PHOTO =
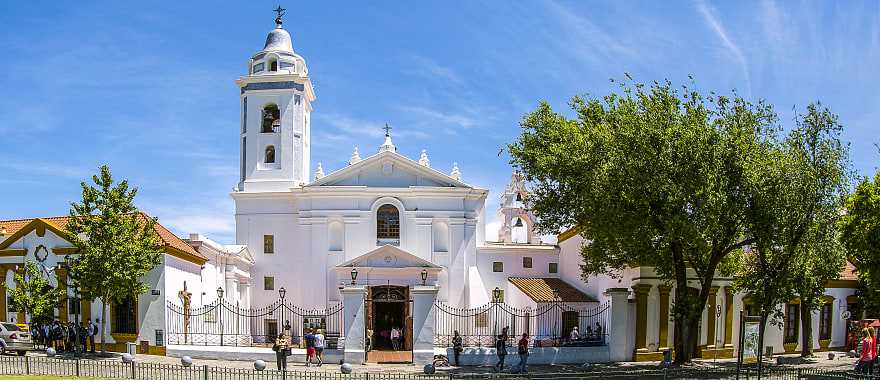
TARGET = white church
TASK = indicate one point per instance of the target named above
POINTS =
(385, 241)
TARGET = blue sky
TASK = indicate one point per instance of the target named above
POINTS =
(147, 87)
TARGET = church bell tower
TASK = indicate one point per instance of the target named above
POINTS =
(276, 105)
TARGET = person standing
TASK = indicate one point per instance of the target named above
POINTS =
(395, 338)
(281, 347)
(310, 346)
(501, 349)
(522, 348)
(319, 347)
(92, 331)
(873, 334)
(457, 346)
(575, 334)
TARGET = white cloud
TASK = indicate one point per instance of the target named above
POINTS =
(434, 70)
(43, 169)
(446, 118)
(712, 20)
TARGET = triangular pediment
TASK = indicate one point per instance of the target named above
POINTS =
(388, 169)
(388, 256)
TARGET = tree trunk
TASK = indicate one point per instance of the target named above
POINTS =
(103, 325)
(806, 328)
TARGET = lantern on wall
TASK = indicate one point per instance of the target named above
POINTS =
(354, 275)
(497, 296)
(424, 277)
(220, 293)
(282, 292)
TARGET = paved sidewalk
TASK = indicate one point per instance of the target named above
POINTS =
(820, 361)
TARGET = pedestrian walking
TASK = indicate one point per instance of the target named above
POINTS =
(282, 349)
(522, 348)
(457, 346)
(310, 346)
(866, 358)
(873, 334)
(319, 346)
(501, 349)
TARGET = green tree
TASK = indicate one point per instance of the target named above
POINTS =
(650, 177)
(117, 244)
(860, 233)
(794, 190)
(33, 294)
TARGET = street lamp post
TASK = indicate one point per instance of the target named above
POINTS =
(424, 277)
(354, 276)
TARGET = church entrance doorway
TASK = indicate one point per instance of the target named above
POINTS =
(389, 324)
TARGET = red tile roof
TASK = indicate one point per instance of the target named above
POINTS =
(168, 238)
(541, 289)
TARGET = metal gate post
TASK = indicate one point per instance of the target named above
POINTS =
(205, 371)
(77, 367)
(27, 366)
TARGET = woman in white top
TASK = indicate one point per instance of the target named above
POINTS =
(319, 346)
(575, 335)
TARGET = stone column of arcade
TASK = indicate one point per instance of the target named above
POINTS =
(353, 297)
(423, 323)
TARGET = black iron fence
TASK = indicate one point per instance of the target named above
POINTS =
(221, 323)
(106, 369)
(548, 324)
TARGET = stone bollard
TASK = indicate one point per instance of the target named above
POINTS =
(50, 352)
(186, 361)
(345, 368)
(127, 358)
(259, 365)
(429, 369)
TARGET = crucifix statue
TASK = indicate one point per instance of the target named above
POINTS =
(387, 130)
(280, 12)
(185, 298)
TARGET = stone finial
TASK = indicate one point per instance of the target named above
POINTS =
(355, 157)
(319, 172)
(456, 174)
(423, 159)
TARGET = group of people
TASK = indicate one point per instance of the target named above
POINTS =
(522, 349)
(590, 334)
(65, 336)
(314, 341)
(868, 358)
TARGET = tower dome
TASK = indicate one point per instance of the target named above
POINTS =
(278, 40)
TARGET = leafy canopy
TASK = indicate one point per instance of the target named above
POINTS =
(860, 233)
(117, 244)
(651, 177)
(34, 294)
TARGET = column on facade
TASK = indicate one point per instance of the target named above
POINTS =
(4, 269)
(712, 317)
(20, 316)
(641, 293)
(728, 316)
(423, 323)
(424, 238)
(355, 323)
(231, 286)
(61, 276)
(663, 315)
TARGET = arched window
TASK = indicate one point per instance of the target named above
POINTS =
(387, 225)
(519, 233)
(271, 119)
(273, 65)
(270, 155)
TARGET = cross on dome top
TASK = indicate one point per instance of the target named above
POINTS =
(280, 12)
